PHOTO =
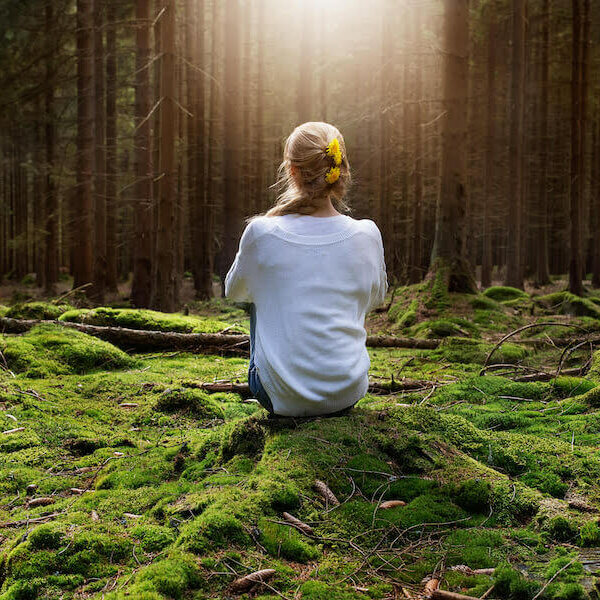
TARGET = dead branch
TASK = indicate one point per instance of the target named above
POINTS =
(24, 522)
(443, 595)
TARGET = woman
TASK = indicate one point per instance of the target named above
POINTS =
(311, 275)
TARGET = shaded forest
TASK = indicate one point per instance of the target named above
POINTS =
(136, 137)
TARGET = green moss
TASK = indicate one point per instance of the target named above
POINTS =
(286, 542)
(194, 402)
(589, 535)
(445, 328)
(504, 293)
(483, 302)
(317, 590)
(37, 310)
(568, 304)
(153, 538)
(468, 351)
(560, 528)
(511, 585)
(49, 536)
(474, 495)
(48, 350)
(246, 437)
(404, 317)
(214, 528)
(439, 298)
(147, 320)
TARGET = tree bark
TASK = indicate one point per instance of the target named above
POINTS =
(596, 205)
(576, 263)
(112, 197)
(449, 249)
(98, 289)
(514, 273)
(542, 269)
(141, 289)
(165, 256)
(83, 213)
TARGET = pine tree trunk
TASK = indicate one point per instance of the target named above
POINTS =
(542, 270)
(487, 259)
(98, 288)
(112, 198)
(448, 256)
(231, 154)
(165, 258)
(83, 213)
(576, 264)
(416, 273)
(141, 289)
(51, 212)
(595, 199)
(514, 274)
(304, 96)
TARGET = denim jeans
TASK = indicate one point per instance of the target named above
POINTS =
(256, 387)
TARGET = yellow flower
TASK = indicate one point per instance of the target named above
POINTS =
(332, 175)
(333, 150)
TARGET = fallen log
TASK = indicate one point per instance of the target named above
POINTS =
(243, 389)
(207, 343)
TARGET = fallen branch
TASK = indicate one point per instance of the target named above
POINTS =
(233, 344)
(24, 522)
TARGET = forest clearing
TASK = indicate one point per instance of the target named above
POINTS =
(122, 477)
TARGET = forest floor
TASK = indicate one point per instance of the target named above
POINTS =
(120, 478)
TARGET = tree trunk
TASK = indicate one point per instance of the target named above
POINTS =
(576, 264)
(231, 154)
(141, 289)
(595, 199)
(304, 96)
(449, 250)
(514, 273)
(98, 288)
(82, 216)
(486, 259)
(112, 197)
(416, 273)
(165, 256)
(542, 270)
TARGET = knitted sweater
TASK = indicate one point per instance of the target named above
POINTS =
(312, 280)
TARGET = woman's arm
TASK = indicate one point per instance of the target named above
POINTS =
(237, 286)
(380, 286)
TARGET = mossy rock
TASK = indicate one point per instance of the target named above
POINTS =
(37, 310)
(566, 303)
(147, 320)
(449, 327)
(503, 293)
(47, 350)
(188, 401)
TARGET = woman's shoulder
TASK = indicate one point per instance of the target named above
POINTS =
(369, 227)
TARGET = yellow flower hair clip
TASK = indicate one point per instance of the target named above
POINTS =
(334, 150)
(332, 175)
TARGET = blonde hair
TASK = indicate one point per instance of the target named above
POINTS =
(306, 150)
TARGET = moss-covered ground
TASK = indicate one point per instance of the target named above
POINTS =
(119, 478)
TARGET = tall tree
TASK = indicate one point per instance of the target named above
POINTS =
(111, 146)
(231, 152)
(141, 289)
(305, 92)
(448, 258)
(83, 207)
(98, 288)
(542, 273)
(164, 265)
(514, 273)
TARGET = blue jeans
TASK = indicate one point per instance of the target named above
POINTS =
(256, 387)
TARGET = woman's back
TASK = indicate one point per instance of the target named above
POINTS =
(312, 280)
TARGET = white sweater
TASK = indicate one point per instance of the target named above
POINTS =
(313, 280)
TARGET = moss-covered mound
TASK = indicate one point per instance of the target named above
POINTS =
(504, 293)
(37, 310)
(48, 350)
(565, 303)
(148, 320)
(469, 351)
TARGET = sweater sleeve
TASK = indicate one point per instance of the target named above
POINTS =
(237, 286)
(380, 286)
